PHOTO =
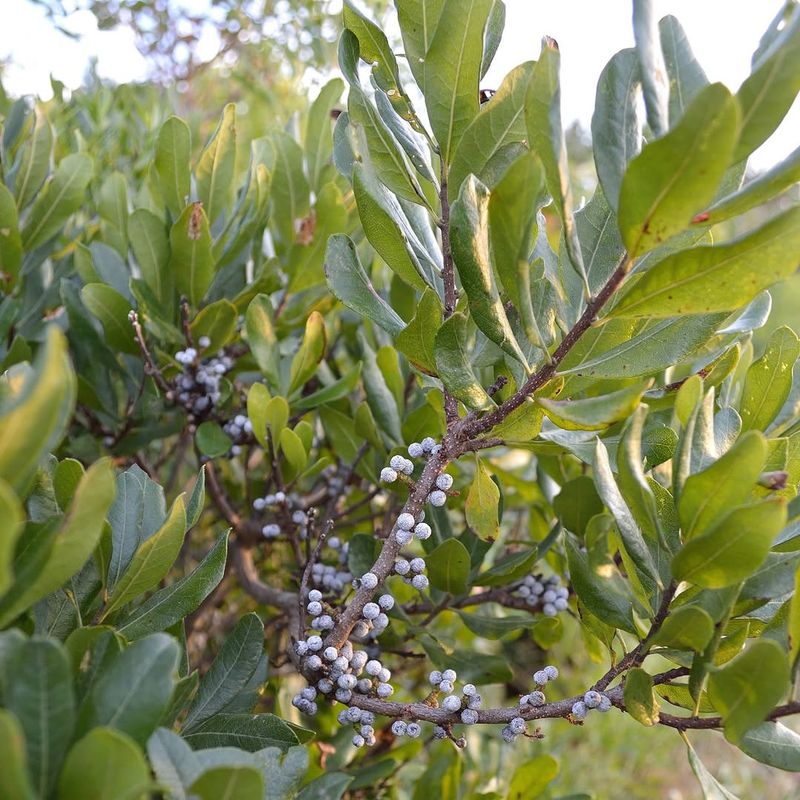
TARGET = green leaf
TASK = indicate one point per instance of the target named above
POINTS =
(448, 567)
(290, 191)
(42, 698)
(261, 337)
(653, 68)
(373, 46)
(173, 150)
(35, 160)
(211, 440)
(577, 503)
(677, 175)
(222, 783)
(532, 778)
(632, 538)
(10, 241)
(686, 76)
(246, 731)
(418, 23)
(769, 381)
(616, 129)
(734, 548)
(152, 559)
(755, 192)
(330, 786)
(508, 569)
(334, 391)
(496, 627)
(351, 285)
(793, 623)
(318, 139)
(112, 309)
(61, 196)
(382, 220)
(686, 628)
(176, 601)
(217, 321)
(769, 92)
(500, 121)
(150, 245)
(104, 765)
(232, 668)
(14, 781)
(598, 592)
(381, 400)
(641, 702)
(469, 235)
(712, 789)
(112, 207)
(546, 136)
(417, 340)
(134, 688)
(11, 525)
(311, 352)
(594, 413)
(453, 364)
(138, 512)
(214, 173)
(658, 344)
(452, 70)
(174, 763)
(718, 278)
(192, 259)
(749, 686)
(482, 506)
(774, 744)
(708, 495)
(75, 539)
(35, 413)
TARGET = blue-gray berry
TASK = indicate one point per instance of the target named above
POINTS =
(518, 725)
(413, 730)
(579, 710)
(399, 727)
(469, 716)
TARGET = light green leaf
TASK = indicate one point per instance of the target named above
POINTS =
(349, 282)
(577, 503)
(232, 668)
(103, 765)
(712, 789)
(653, 68)
(718, 278)
(469, 235)
(533, 777)
(261, 337)
(41, 696)
(35, 160)
(180, 598)
(734, 548)
(217, 321)
(311, 352)
(132, 692)
(417, 340)
(373, 46)
(112, 309)
(658, 344)
(214, 172)
(334, 391)
(500, 121)
(769, 380)
(641, 702)
(192, 260)
(10, 240)
(418, 22)
(383, 223)
(448, 567)
(793, 623)
(173, 150)
(75, 539)
(769, 92)
(594, 413)
(453, 364)
(616, 128)
(14, 780)
(211, 440)
(708, 495)
(382, 402)
(686, 628)
(11, 525)
(452, 70)
(774, 744)
(318, 140)
(290, 190)
(258, 398)
(152, 560)
(150, 245)
(61, 196)
(686, 76)
(677, 175)
(546, 136)
(482, 506)
(749, 686)
(227, 783)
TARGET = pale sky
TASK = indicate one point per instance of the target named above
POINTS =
(723, 34)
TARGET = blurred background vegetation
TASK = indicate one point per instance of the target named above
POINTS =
(270, 58)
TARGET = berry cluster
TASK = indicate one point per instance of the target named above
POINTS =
(333, 578)
(283, 504)
(198, 385)
(591, 700)
(518, 726)
(469, 702)
(364, 720)
(545, 592)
